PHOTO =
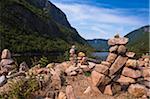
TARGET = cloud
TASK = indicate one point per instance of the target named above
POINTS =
(99, 22)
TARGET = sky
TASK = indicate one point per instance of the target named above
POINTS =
(102, 19)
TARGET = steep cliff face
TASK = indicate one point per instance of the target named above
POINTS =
(36, 25)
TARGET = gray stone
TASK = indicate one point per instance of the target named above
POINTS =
(6, 54)
(3, 80)
(23, 67)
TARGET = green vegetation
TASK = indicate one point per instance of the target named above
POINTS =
(43, 61)
(26, 28)
(139, 41)
(87, 74)
(21, 89)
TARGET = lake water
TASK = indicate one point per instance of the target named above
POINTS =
(100, 55)
(53, 57)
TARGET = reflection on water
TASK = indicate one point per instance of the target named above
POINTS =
(100, 55)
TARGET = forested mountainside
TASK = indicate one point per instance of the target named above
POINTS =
(36, 26)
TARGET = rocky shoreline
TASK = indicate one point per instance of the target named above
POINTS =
(77, 78)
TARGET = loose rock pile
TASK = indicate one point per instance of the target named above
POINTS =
(121, 72)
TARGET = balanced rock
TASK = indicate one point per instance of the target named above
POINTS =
(118, 41)
(91, 65)
(111, 57)
(125, 80)
(131, 63)
(113, 48)
(137, 90)
(6, 54)
(121, 49)
(106, 63)
(131, 73)
(130, 54)
(101, 69)
(118, 64)
(96, 78)
(106, 80)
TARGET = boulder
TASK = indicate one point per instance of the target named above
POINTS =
(113, 48)
(118, 64)
(71, 69)
(106, 80)
(106, 63)
(145, 83)
(118, 41)
(131, 63)
(101, 69)
(125, 80)
(108, 90)
(137, 90)
(91, 65)
(121, 49)
(6, 62)
(69, 92)
(96, 78)
(147, 78)
(146, 72)
(6, 54)
(23, 67)
(112, 89)
(131, 73)
(111, 57)
(3, 80)
(140, 63)
(130, 54)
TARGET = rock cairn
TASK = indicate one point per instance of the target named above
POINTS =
(121, 71)
(73, 56)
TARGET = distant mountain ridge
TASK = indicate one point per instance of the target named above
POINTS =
(138, 41)
(99, 44)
